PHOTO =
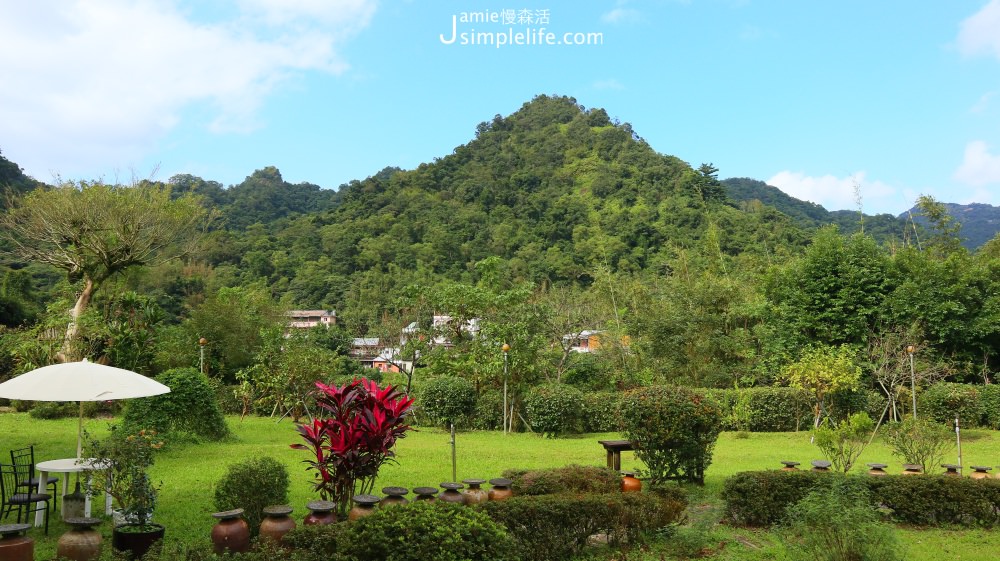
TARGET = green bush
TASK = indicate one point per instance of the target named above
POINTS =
(843, 442)
(767, 409)
(839, 523)
(489, 410)
(673, 430)
(448, 399)
(54, 410)
(252, 485)
(554, 409)
(190, 407)
(417, 531)
(568, 479)
(761, 498)
(989, 398)
(602, 412)
(849, 402)
(919, 441)
(557, 527)
(944, 401)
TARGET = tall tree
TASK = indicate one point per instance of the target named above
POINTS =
(94, 231)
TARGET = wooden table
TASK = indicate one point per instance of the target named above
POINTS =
(67, 466)
(614, 449)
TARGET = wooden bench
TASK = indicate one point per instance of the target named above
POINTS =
(614, 449)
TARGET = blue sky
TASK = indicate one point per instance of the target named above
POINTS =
(900, 98)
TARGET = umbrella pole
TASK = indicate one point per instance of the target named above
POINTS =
(79, 434)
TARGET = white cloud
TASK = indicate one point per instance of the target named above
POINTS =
(978, 167)
(103, 80)
(836, 193)
(621, 14)
(610, 84)
(980, 32)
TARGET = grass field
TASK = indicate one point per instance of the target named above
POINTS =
(189, 472)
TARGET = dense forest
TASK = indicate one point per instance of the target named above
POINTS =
(550, 221)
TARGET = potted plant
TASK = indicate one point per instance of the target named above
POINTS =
(122, 461)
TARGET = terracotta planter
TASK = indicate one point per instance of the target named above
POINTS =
(13, 545)
(951, 470)
(277, 522)
(394, 496)
(82, 542)
(821, 465)
(136, 539)
(912, 469)
(231, 532)
(630, 483)
(501, 490)
(320, 513)
(452, 493)
(475, 494)
(364, 505)
(790, 465)
(980, 472)
(425, 493)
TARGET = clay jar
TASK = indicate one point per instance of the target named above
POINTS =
(821, 465)
(475, 494)
(231, 532)
(394, 496)
(452, 493)
(277, 522)
(790, 465)
(877, 469)
(630, 483)
(364, 505)
(14, 546)
(980, 472)
(952, 470)
(912, 469)
(320, 513)
(501, 490)
(425, 493)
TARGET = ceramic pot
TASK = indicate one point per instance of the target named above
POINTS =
(980, 472)
(877, 470)
(320, 513)
(425, 493)
(82, 542)
(364, 505)
(912, 469)
(14, 546)
(231, 532)
(452, 493)
(790, 465)
(630, 483)
(951, 470)
(475, 494)
(501, 490)
(277, 522)
(394, 496)
(821, 465)
(136, 539)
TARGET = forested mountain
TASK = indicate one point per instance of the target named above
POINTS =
(980, 222)
(883, 227)
(13, 179)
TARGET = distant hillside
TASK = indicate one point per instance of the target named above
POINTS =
(882, 227)
(980, 222)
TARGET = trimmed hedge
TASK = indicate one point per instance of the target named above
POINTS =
(769, 409)
(190, 407)
(989, 396)
(557, 527)
(944, 400)
(761, 498)
(568, 479)
(448, 399)
(602, 411)
(554, 409)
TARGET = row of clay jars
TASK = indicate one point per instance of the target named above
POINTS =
(232, 533)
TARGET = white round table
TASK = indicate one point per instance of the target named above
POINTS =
(66, 465)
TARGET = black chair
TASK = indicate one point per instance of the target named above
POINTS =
(28, 502)
(26, 457)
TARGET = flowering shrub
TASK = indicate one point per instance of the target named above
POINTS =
(353, 438)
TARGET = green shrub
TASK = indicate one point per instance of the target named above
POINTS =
(567, 479)
(839, 523)
(54, 410)
(554, 409)
(989, 399)
(252, 485)
(760, 498)
(919, 441)
(602, 412)
(489, 410)
(448, 399)
(190, 407)
(944, 401)
(767, 409)
(673, 430)
(417, 531)
(844, 441)
(848, 402)
(557, 527)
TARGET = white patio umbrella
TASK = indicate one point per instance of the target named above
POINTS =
(80, 381)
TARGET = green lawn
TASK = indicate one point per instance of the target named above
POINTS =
(189, 473)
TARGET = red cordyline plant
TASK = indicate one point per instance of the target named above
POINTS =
(353, 437)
